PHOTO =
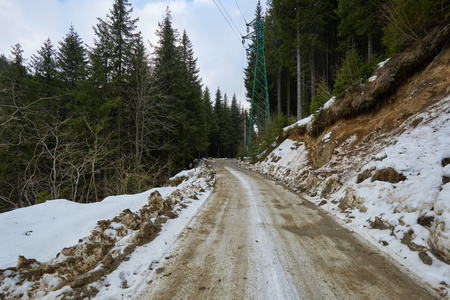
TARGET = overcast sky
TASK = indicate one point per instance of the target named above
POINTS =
(221, 56)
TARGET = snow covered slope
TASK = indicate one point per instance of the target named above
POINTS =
(379, 160)
(66, 249)
(393, 186)
(41, 231)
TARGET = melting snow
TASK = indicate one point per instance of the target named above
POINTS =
(417, 153)
(381, 64)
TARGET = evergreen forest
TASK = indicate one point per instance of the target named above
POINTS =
(316, 49)
(84, 122)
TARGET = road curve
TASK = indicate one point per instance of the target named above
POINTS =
(255, 239)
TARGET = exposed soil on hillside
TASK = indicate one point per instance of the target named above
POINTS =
(416, 94)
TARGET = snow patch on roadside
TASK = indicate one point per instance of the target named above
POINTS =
(185, 173)
(134, 271)
(105, 258)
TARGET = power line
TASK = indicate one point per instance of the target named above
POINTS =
(240, 11)
(239, 37)
(229, 17)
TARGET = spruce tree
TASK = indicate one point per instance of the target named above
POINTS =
(45, 70)
(207, 106)
(226, 128)
(236, 127)
(216, 125)
(111, 60)
(168, 76)
(113, 45)
(18, 68)
(167, 56)
(195, 127)
(72, 59)
(176, 74)
(251, 58)
(43, 63)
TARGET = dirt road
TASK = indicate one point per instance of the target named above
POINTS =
(255, 239)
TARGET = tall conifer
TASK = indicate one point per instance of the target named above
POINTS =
(72, 59)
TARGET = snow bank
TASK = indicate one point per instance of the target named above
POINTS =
(410, 219)
(299, 123)
(285, 162)
(81, 233)
(41, 231)
(185, 173)
(134, 271)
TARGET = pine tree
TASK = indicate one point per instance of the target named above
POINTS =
(236, 127)
(45, 70)
(116, 36)
(251, 59)
(207, 106)
(72, 59)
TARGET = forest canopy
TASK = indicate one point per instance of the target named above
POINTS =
(83, 122)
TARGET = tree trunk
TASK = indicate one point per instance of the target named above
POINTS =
(245, 131)
(313, 75)
(327, 68)
(279, 91)
(288, 94)
(299, 81)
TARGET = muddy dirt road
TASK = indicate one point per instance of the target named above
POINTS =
(254, 239)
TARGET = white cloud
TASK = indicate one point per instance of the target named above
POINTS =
(218, 49)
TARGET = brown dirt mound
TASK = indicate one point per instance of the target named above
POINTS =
(364, 175)
(446, 161)
(388, 175)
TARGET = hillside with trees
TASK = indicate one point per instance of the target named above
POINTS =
(83, 122)
(319, 49)
(310, 44)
